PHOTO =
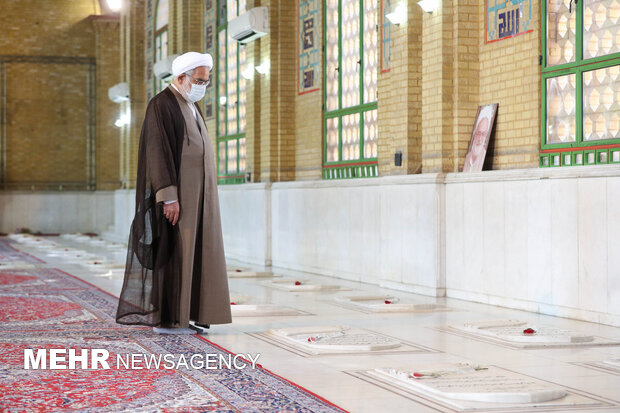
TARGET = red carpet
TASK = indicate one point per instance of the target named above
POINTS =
(49, 309)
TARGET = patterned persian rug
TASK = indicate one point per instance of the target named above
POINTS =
(45, 308)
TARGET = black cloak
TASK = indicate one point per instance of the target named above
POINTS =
(151, 288)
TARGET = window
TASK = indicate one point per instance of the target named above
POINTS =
(231, 97)
(581, 82)
(161, 39)
(350, 92)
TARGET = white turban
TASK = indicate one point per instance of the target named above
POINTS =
(189, 61)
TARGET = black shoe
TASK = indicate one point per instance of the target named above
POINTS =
(200, 328)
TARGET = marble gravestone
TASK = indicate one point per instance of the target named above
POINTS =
(33, 241)
(610, 365)
(513, 330)
(70, 253)
(521, 334)
(239, 298)
(472, 384)
(241, 306)
(385, 304)
(335, 339)
(249, 274)
(301, 285)
(236, 269)
(81, 238)
(111, 273)
(19, 265)
(101, 262)
(262, 310)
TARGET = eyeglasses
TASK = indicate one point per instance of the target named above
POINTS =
(199, 82)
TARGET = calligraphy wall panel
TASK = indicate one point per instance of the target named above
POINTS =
(309, 46)
(210, 29)
(507, 18)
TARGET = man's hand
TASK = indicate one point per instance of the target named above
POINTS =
(171, 211)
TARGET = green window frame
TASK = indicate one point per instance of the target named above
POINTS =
(160, 40)
(573, 130)
(350, 70)
(231, 115)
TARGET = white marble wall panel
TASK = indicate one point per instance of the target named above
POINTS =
(538, 227)
(382, 230)
(493, 246)
(543, 240)
(455, 246)
(56, 211)
(515, 241)
(124, 210)
(593, 244)
(473, 233)
(613, 246)
(245, 211)
(556, 231)
(564, 242)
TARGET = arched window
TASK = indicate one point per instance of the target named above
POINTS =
(161, 38)
(231, 97)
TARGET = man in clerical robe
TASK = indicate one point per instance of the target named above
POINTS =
(175, 277)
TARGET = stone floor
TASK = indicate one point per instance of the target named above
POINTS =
(364, 356)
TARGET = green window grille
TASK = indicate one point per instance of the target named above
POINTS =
(350, 33)
(580, 83)
(161, 39)
(231, 97)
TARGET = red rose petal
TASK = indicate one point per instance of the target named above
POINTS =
(238, 270)
(232, 303)
(418, 375)
(529, 331)
(297, 283)
(387, 302)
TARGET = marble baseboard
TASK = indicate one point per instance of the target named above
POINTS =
(536, 307)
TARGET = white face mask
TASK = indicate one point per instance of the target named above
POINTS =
(196, 92)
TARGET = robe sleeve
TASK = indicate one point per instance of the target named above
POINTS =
(157, 134)
(168, 193)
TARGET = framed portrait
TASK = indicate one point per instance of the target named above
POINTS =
(479, 142)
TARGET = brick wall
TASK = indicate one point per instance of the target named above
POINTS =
(510, 76)
(440, 71)
(132, 51)
(108, 74)
(400, 98)
(47, 60)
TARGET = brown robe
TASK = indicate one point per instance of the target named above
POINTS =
(175, 274)
(204, 281)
